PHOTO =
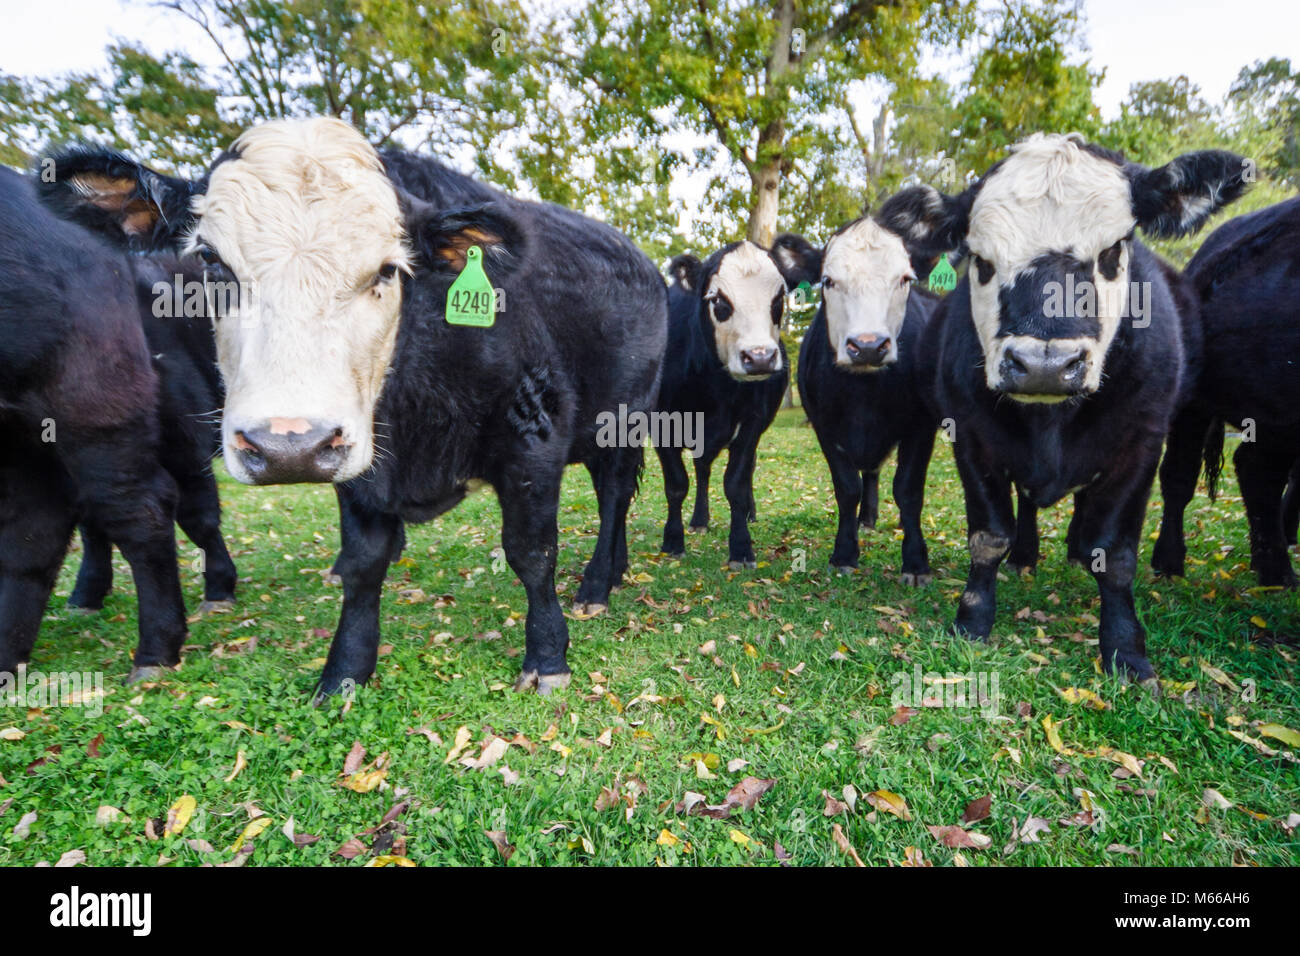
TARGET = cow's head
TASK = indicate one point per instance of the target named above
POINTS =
(866, 276)
(742, 289)
(1050, 232)
(303, 217)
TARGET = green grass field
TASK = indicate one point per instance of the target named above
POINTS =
(694, 670)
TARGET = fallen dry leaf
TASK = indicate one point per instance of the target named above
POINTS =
(842, 841)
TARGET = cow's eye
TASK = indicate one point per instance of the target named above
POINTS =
(208, 255)
(1108, 261)
(721, 309)
(778, 308)
(907, 280)
(828, 283)
(388, 270)
(983, 270)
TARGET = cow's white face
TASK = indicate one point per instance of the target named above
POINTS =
(866, 277)
(1050, 237)
(744, 302)
(306, 220)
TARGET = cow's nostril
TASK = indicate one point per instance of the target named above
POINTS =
(278, 455)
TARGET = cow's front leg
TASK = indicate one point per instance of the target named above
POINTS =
(1178, 473)
(35, 524)
(1262, 472)
(1291, 507)
(700, 514)
(95, 576)
(737, 482)
(199, 515)
(676, 485)
(847, 481)
(368, 539)
(909, 493)
(1023, 558)
(1109, 517)
(530, 502)
(990, 521)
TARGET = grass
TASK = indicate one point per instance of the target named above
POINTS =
(796, 678)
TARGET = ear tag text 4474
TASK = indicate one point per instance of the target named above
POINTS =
(943, 277)
(471, 300)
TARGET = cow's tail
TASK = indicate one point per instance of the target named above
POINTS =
(1212, 454)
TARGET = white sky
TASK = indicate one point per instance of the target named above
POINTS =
(1208, 40)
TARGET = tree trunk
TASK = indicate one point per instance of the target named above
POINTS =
(767, 200)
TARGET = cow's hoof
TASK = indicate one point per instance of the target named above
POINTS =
(590, 609)
(330, 578)
(844, 568)
(916, 580)
(544, 684)
(698, 528)
(1021, 569)
(866, 526)
(84, 609)
(223, 606)
(674, 555)
(149, 672)
(747, 565)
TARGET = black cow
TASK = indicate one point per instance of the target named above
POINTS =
(1247, 275)
(1020, 360)
(725, 374)
(79, 430)
(179, 333)
(347, 369)
(860, 386)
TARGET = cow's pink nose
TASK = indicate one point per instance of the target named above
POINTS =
(288, 450)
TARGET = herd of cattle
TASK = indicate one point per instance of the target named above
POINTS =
(1067, 357)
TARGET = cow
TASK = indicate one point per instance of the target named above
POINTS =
(860, 387)
(1052, 380)
(178, 330)
(347, 370)
(725, 367)
(1247, 277)
(79, 429)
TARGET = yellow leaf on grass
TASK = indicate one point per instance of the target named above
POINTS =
(363, 781)
(1081, 695)
(667, 839)
(1054, 735)
(12, 733)
(1258, 621)
(1218, 676)
(179, 815)
(741, 838)
(1127, 761)
(1279, 732)
(460, 743)
(251, 832)
(240, 763)
(889, 802)
(391, 861)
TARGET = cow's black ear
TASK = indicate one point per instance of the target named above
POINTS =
(441, 238)
(798, 259)
(1178, 197)
(685, 271)
(928, 221)
(115, 196)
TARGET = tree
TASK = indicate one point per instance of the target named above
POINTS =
(1270, 92)
(754, 79)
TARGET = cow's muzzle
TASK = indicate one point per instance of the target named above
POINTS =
(867, 351)
(760, 361)
(284, 451)
(1045, 372)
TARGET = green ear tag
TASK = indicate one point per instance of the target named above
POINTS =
(471, 299)
(943, 277)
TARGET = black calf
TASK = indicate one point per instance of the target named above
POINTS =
(79, 434)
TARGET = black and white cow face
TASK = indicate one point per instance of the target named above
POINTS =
(1050, 233)
(866, 278)
(302, 215)
(743, 301)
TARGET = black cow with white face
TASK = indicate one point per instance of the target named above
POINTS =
(1053, 381)
(343, 366)
(1247, 277)
(725, 366)
(861, 385)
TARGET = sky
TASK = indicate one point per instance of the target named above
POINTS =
(1133, 39)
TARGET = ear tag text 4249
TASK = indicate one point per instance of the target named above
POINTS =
(471, 299)
(943, 277)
